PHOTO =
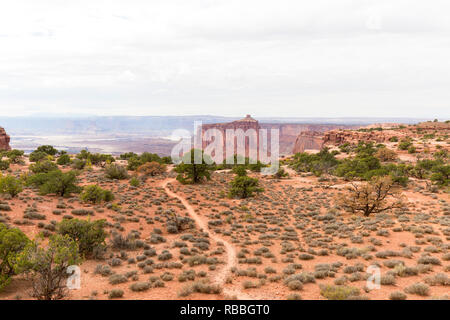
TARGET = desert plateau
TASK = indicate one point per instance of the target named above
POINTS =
(141, 227)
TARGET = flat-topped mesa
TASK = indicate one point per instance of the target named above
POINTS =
(248, 118)
(245, 124)
(4, 140)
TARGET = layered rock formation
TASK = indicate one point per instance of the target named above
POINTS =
(4, 140)
(441, 126)
(308, 140)
(245, 124)
(317, 140)
(290, 134)
(338, 137)
(344, 136)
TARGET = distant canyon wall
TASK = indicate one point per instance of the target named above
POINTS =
(292, 136)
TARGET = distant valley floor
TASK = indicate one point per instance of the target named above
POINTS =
(116, 144)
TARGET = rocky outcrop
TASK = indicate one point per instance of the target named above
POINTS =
(338, 137)
(4, 140)
(313, 140)
(308, 140)
(375, 133)
(289, 133)
(429, 125)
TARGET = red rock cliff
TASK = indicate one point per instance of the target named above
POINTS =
(4, 140)
(338, 137)
(314, 140)
(308, 140)
(292, 133)
(245, 124)
(292, 136)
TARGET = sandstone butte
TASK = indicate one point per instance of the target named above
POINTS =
(4, 140)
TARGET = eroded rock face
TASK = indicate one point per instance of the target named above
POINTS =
(316, 140)
(290, 134)
(244, 124)
(4, 140)
(338, 137)
(308, 140)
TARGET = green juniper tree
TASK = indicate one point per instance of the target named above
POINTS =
(12, 243)
(194, 167)
(57, 182)
(243, 187)
(48, 266)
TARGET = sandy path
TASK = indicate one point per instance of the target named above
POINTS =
(231, 262)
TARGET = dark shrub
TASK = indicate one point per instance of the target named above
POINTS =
(87, 234)
(63, 160)
(95, 194)
(10, 185)
(62, 184)
(36, 156)
(115, 171)
(43, 167)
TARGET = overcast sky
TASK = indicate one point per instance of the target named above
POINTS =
(321, 58)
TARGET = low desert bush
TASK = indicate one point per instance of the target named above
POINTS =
(429, 260)
(120, 242)
(43, 167)
(418, 288)
(387, 279)
(294, 296)
(295, 285)
(95, 194)
(397, 295)
(4, 164)
(116, 172)
(201, 286)
(338, 292)
(152, 168)
(115, 293)
(117, 278)
(10, 185)
(103, 270)
(140, 286)
(439, 279)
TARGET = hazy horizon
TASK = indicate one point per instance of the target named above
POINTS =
(273, 118)
(217, 115)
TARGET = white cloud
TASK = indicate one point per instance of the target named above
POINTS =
(228, 57)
